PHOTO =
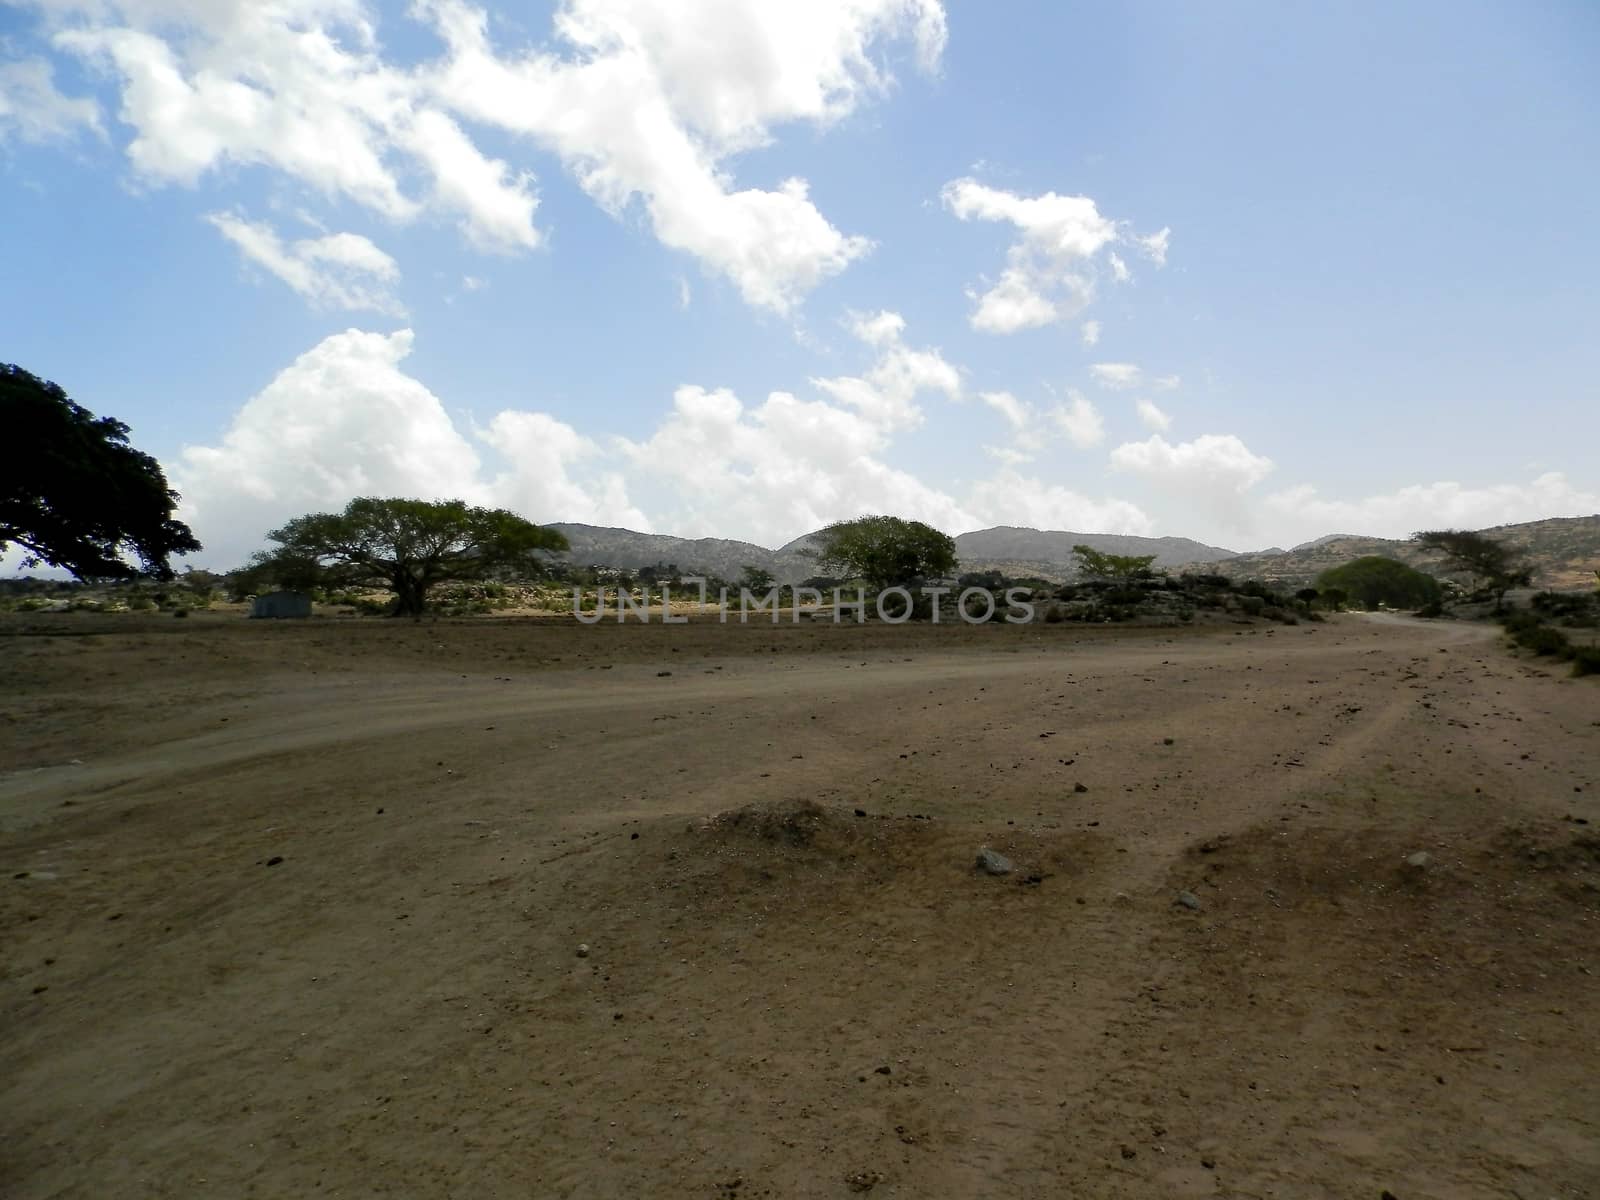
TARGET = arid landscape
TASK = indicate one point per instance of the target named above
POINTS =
(524, 908)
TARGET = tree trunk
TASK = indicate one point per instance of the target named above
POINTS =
(409, 597)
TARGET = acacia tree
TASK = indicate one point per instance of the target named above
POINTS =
(1375, 580)
(885, 551)
(1122, 568)
(75, 494)
(1480, 556)
(407, 546)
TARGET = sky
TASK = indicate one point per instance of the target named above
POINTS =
(1249, 273)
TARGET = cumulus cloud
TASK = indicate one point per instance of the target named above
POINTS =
(652, 101)
(337, 271)
(1050, 269)
(1079, 420)
(1090, 332)
(1302, 512)
(1212, 473)
(1116, 375)
(640, 101)
(345, 420)
(1011, 498)
(1151, 416)
(885, 395)
(1015, 412)
(33, 110)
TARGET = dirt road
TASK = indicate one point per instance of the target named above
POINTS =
(296, 910)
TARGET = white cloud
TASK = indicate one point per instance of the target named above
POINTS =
(1079, 420)
(653, 100)
(1008, 406)
(640, 101)
(1119, 269)
(1154, 246)
(1091, 333)
(1014, 499)
(886, 394)
(1120, 376)
(339, 271)
(1211, 473)
(1165, 383)
(33, 110)
(345, 420)
(1151, 416)
(1300, 513)
(1050, 272)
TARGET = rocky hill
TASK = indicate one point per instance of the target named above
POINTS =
(1563, 551)
(1006, 548)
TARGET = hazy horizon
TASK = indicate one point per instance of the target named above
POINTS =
(1245, 275)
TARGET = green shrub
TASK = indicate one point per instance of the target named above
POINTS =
(1542, 639)
(1586, 660)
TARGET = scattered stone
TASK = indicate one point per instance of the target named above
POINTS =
(662, 674)
(1129, 1152)
(1080, 787)
(992, 862)
(1419, 860)
(861, 812)
(274, 860)
(1209, 1164)
(864, 1181)
(1188, 900)
(883, 1070)
(583, 949)
(1168, 741)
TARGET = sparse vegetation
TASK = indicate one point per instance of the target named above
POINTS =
(1493, 563)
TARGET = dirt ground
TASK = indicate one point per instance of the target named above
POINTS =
(529, 909)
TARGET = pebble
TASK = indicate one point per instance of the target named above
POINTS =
(583, 949)
(1188, 900)
(1420, 859)
(994, 863)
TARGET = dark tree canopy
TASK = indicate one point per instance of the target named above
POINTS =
(885, 551)
(1493, 562)
(1375, 580)
(407, 546)
(73, 492)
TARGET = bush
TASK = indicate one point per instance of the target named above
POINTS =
(1375, 580)
(1586, 660)
(1542, 639)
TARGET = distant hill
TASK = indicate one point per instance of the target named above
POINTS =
(1564, 553)
(1015, 551)
(594, 545)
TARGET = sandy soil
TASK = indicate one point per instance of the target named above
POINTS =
(295, 910)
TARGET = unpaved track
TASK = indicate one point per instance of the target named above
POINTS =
(396, 1006)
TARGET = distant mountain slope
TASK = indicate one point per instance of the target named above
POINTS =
(1011, 543)
(594, 545)
(1015, 551)
(1564, 553)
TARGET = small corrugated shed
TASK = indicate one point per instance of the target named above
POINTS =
(281, 604)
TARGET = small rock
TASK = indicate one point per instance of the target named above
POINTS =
(1209, 1164)
(1080, 788)
(992, 862)
(662, 674)
(1168, 741)
(1188, 900)
(583, 949)
(274, 860)
(1419, 860)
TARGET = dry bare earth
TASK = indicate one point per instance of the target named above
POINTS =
(304, 918)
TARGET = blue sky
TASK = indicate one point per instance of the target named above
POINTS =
(1249, 273)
